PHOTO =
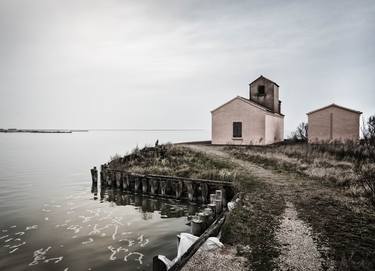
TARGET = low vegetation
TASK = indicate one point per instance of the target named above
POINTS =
(175, 160)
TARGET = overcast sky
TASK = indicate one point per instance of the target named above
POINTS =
(167, 64)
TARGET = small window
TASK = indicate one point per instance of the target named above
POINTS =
(237, 129)
(261, 90)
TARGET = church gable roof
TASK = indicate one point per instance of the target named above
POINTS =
(334, 105)
(251, 103)
(263, 78)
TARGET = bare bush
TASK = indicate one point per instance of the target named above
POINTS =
(369, 131)
(366, 178)
(301, 132)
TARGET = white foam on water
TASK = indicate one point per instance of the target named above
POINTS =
(115, 251)
(19, 245)
(5, 236)
(40, 257)
(139, 259)
(55, 260)
(88, 241)
(115, 233)
(75, 228)
(33, 227)
(14, 250)
(142, 241)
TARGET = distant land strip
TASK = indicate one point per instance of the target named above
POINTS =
(41, 131)
(148, 130)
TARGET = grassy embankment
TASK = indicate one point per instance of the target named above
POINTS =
(323, 183)
(175, 160)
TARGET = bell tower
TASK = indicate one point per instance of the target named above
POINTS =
(265, 92)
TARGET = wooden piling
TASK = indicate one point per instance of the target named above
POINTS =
(137, 184)
(118, 179)
(178, 189)
(190, 190)
(204, 192)
(154, 186)
(125, 182)
(94, 176)
(144, 185)
(163, 188)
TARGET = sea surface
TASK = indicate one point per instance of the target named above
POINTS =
(52, 219)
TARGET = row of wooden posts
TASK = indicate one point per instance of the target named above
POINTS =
(204, 224)
(193, 190)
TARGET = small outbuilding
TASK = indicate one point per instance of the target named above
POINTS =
(333, 123)
(254, 121)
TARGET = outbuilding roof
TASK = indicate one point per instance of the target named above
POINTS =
(247, 101)
(264, 78)
(335, 105)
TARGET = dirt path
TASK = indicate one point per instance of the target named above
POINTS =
(295, 223)
(265, 175)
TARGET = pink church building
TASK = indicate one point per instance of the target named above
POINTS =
(254, 121)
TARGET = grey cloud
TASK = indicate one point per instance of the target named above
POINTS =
(126, 64)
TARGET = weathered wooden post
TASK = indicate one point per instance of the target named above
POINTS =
(212, 204)
(197, 226)
(125, 181)
(108, 180)
(103, 175)
(118, 179)
(204, 192)
(163, 188)
(219, 201)
(178, 187)
(94, 176)
(154, 186)
(220, 194)
(144, 185)
(203, 216)
(137, 183)
(190, 189)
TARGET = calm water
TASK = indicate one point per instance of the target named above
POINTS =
(52, 219)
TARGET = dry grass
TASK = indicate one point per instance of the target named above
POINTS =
(174, 160)
(344, 165)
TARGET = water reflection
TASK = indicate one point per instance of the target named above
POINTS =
(167, 208)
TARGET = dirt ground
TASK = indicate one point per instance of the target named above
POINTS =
(289, 222)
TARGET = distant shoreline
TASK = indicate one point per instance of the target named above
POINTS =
(69, 131)
(41, 131)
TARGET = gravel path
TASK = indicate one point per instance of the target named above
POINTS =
(299, 250)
